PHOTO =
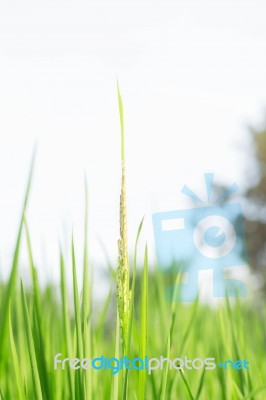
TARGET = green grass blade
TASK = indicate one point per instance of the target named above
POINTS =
(39, 335)
(169, 340)
(100, 323)
(80, 388)
(12, 278)
(131, 310)
(242, 383)
(144, 326)
(187, 385)
(115, 388)
(163, 393)
(66, 321)
(200, 387)
(131, 307)
(121, 115)
(17, 369)
(86, 303)
(31, 349)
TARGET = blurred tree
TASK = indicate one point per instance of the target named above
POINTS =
(255, 198)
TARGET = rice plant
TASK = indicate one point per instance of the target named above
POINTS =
(43, 331)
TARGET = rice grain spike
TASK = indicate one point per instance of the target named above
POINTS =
(123, 292)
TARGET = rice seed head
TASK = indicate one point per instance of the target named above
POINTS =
(123, 292)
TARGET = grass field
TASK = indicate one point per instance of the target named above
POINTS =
(134, 321)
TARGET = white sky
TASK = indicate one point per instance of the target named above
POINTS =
(192, 74)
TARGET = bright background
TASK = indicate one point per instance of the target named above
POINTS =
(192, 76)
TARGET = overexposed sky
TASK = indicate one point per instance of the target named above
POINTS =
(192, 75)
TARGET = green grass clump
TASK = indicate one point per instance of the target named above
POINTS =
(134, 320)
